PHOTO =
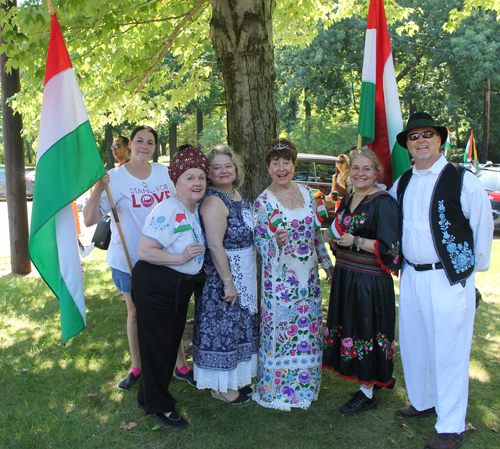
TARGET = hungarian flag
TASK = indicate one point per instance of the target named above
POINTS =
(468, 155)
(321, 214)
(68, 164)
(380, 112)
(447, 145)
(182, 223)
(336, 230)
(275, 220)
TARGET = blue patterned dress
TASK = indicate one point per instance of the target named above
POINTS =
(225, 338)
(291, 326)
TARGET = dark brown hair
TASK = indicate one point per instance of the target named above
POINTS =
(280, 148)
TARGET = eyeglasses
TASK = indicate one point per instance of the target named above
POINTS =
(115, 147)
(340, 161)
(425, 135)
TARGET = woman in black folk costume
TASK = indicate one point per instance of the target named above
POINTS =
(359, 336)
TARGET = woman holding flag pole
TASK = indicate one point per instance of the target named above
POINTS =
(134, 188)
(359, 334)
(171, 253)
(288, 237)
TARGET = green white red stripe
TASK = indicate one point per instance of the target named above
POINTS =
(468, 155)
(275, 220)
(380, 117)
(336, 230)
(321, 214)
(68, 164)
(182, 223)
(447, 145)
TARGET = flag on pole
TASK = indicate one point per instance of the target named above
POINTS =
(468, 155)
(275, 220)
(68, 164)
(447, 145)
(182, 223)
(321, 214)
(475, 154)
(380, 117)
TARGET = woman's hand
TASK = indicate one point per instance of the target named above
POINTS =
(230, 292)
(345, 240)
(102, 183)
(192, 250)
(281, 237)
(329, 275)
(327, 237)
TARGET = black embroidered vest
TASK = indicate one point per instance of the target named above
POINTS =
(451, 232)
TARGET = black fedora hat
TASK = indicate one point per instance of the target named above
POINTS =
(421, 120)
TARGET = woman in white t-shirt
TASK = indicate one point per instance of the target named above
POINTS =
(171, 253)
(136, 187)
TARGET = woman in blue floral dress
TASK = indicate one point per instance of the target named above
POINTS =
(359, 337)
(290, 348)
(225, 324)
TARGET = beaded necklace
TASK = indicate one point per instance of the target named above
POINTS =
(230, 195)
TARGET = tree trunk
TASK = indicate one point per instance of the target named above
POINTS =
(242, 36)
(108, 139)
(172, 139)
(199, 125)
(486, 129)
(14, 168)
(307, 110)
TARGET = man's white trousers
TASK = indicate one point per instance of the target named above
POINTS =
(435, 332)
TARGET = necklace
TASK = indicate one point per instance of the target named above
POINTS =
(230, 194)
(144, 184)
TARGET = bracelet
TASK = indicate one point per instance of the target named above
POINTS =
(358, 241)
(227, 280)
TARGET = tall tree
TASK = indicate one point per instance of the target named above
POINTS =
(14, 161)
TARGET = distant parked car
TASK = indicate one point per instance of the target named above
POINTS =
(29, 175)
(490, 179)
(316, 171)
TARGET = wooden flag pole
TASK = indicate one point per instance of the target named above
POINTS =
(119, 227)
(360, 141)
(52, 10)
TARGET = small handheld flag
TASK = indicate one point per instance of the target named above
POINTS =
(336, 230)
(182, 223)
(320, 215)
(275, 220)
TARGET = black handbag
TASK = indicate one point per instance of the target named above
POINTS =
(102, 233)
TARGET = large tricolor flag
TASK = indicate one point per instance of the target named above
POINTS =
(68, 164)
(380, 112)
(447, 145)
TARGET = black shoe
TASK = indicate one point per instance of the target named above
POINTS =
(174, 420)
(129, 381)
(246, 390)
(390, 386)
(359, 403)
(188, 377)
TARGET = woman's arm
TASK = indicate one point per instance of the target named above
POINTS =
(215, 213)
(357, 242)
(151, 251)
(91, 211)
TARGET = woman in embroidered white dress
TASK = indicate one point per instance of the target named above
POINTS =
(290, 348)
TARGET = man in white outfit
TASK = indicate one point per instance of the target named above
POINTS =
(447, 234)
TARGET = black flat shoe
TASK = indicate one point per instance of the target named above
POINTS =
(174, 420)
(390, 386)
(246, 390)
(241, 399)
(359, 403)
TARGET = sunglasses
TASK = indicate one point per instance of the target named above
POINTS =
(115, 147)
(340, 161)
(425, 135)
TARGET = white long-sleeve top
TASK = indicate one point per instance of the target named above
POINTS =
(417, 243)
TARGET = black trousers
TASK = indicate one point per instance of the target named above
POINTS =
(161, 297)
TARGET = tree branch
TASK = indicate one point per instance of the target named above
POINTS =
(169, 42)
(410, 66)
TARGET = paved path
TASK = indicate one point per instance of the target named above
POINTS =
(4, 229)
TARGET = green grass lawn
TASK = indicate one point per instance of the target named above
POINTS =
(55, 396)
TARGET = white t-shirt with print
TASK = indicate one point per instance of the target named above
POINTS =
(134, 200)
(161, 224)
